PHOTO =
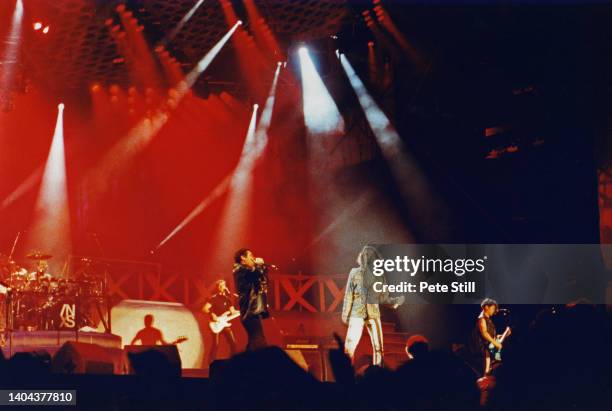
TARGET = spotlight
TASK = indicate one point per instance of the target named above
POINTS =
(95, 87)
(240, 22)
(60, 106)
(279, 63)
(255, 106)
(37, 26)
(46, 30)
(370, 44)
(303, 50)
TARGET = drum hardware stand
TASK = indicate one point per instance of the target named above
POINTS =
(105, 296)
(14, 245)
(77, 317)
(105, 321)
(8, 314)
(8, 329)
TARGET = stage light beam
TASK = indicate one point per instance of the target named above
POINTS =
(321, 114)
(255, 144)
(9, 58)
(50, 230)
(181, 23)
(203, 64)
(232, 227)
(119, 156)
(413, 187)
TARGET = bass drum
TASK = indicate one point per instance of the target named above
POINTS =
(65, 314)
(61, 314)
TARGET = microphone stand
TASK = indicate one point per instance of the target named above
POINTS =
(14, 245)
(107, 323)
(9, 315)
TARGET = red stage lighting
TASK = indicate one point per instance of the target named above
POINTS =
(370, 44)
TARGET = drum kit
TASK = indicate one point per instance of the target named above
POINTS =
(38, 300)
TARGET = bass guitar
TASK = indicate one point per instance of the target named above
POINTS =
(179, 340)
(223, 321)
(495, 353)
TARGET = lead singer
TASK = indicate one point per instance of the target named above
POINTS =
(251, 282)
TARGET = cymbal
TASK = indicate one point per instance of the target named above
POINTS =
(38, 256)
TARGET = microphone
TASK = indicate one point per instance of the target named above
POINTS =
(269, 266)
(260, 262)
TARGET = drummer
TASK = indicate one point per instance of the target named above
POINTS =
(41, 271)
(39, 280)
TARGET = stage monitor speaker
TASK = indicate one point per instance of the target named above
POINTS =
(154, 359)
(310, 360)
(216, 369)
(82, 358)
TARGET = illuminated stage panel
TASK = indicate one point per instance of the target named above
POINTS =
(174, 320)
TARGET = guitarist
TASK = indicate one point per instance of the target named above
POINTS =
(149, 335)
(484, 334)
(217, 305)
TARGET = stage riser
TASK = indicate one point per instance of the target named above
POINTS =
(51, 341)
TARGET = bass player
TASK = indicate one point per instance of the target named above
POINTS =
(221, 310)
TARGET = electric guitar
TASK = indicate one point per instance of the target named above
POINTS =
(179, 340)
(223, 321)
(495, 353)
